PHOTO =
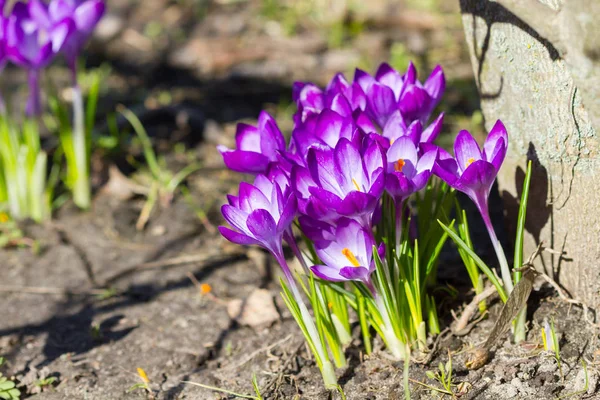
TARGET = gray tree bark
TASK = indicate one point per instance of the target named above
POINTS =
(537, 66)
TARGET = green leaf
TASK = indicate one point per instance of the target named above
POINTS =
(518, 262)
(484, 268)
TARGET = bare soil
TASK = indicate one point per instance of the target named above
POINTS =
(101, 298)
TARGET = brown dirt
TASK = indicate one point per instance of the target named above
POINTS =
(224, 67)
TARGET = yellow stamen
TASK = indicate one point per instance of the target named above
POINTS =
(470, 161)
(399, 165)
(356, 184)
(143, 375)
(392, 141)
(350, 256)
(330, 305)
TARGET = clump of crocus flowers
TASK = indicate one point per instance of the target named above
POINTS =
(355, 182)
(32, 35)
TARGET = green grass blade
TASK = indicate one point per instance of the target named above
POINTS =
(484, 268)
(521, 224)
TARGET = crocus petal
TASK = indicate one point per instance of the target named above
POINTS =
(271, 138)
(414, 103)
(247, 137)
(236, 237)
(497, 134)
(363, 79)
(436, 84)
(327, 198)
(38, 10)
(498, 154)
(420, 180)
(402, 149)
(381, 102)
(414, 131)
(356, 97)
(262, 225)
(447, 170)
(357, 203)
(388, 76)
(348, 165)
(427, 160)
(252, 198)
(247, 162)
(477, 179)
(88, 14)
(433, 130)
(340, 105)
(394, 126)
(466, 150)
(59, 34)
(355, 273)
(234, 216)
(410, 77)
(327, 273)
(288, 214)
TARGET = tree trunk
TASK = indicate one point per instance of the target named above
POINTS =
(537, 67)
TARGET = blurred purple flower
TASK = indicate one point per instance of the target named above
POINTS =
(396, 127)
(256, 146)
(32, 45)
(389, 91)
(345, 248)
(84, 13)
(344, 181)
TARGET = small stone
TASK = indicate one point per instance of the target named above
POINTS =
(256, 311)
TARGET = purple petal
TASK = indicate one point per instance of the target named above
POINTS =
(497, 134)
(356, 96)
(394, 126)
(271, 139)
(251, 198)
(357, 203)
(398, 186)
(414, 131)
(355, 273)
(403, 148)
(363, 79)
(262, 225)
(236, 237)
(433, 130)
(327, 273)
(388, 76)
(331, 126)
(234, 216)
(340, 105)
(381, 102)
(436, 85)
(420, 180)
(288, 214)
(325, 197)
(414, 103)
(373, 158)
(410, 78)
(466, 150)
(39, 13)
(60, 34)
(447, 170)
(427, 160)
(247, 138)
(247, 162)
(88, 14)
(477, 179)
(348, 164)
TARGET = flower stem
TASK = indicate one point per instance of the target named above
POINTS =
(504, 268)
(394, 344)
(324, 363)
(399, 217)
(81, 185)
(34, 105)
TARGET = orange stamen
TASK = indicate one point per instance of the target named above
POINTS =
(470, 161)
(350, 256)
(399, 165)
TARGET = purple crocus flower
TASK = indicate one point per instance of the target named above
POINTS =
(473, 172)
(32, 45)
(339, 95)
(85, 14)
(257, 146)
(389, 91)
(396, 127)
(344, 181)
(260, 215)
(345, 248)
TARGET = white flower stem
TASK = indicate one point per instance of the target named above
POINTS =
(394, 344)
(81, 185)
